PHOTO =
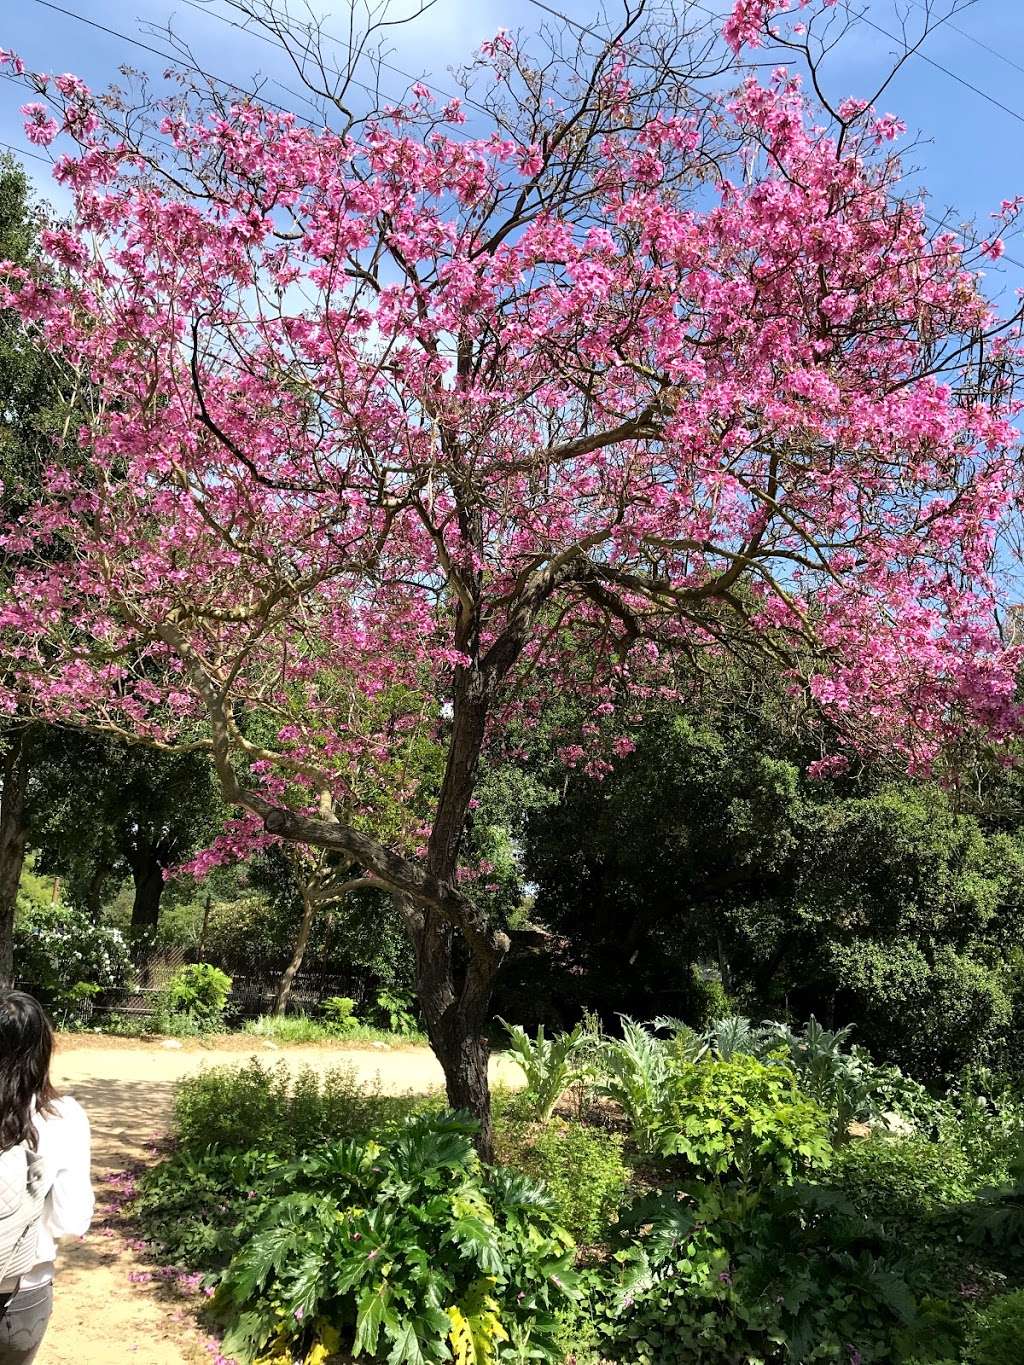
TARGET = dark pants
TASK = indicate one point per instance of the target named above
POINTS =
(23, 1324)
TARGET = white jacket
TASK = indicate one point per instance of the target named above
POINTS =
(64, 1145)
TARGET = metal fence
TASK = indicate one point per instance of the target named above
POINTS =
(252, 993)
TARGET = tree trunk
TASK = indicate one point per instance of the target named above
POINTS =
(284, 988)
(148, 876)
(455, 974)
(463, 1051)
(14, 771)
(456, 1016)
(94, 892)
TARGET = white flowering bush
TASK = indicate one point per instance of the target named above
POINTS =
(59, 951)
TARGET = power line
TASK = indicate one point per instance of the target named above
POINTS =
(456, 136)
(19, 151)
(916, 52)
(987, 47)
(158, 52)
(539, 4)
(177, 58)
(310, 30)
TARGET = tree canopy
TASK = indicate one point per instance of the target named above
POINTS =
(472, 419)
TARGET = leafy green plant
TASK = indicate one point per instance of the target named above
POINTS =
(998, 1337)
(548, 1064)
(894, 1093)
(266, 1109)
(340, 1012)
(775, 1274)
(411, 1250)
(742, 1119)
(732, 1035)
(903, 1181)
(300, 1028)
(634, 1072)
(76, 1004)
(582, 1169)
(199, 991)
(996, 1218)
(827, 1070)
(398, 1011)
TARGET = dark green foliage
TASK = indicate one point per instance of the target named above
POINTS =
(582, 1169)
(998, 1338)
(410, 1250)
(867, 901)
(360, 938)
(107, 812)
(754, 1240)
(931, 1014)
(627, 867)
(779, 1274)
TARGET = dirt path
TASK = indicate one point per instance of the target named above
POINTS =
(107, 1312)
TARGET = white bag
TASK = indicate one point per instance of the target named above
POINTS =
(22, 1196)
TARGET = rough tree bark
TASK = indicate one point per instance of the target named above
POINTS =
(147, 867)
(14, 773)
(284, 987)
(94, 891)
(455, 978)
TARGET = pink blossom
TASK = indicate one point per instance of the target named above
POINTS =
(39, 127)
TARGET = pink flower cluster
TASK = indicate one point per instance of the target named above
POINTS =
(360, 444)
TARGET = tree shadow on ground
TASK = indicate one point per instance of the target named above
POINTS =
(126, 1117)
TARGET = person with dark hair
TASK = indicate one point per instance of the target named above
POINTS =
(45, 1186)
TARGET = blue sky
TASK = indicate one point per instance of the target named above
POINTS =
(970, 152)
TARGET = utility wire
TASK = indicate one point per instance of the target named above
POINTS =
(585, 28)
(987, 47)
(19, 151)
(953, 76)
(309, 29)
(231, 85)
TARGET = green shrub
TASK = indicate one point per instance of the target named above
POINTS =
(340, 1012)
(930, 1013)
(902, 1181)
(581, 1168)
(988, 1124)
(999, 1332)
(397, 1012)
(58, 950)
(265, 1109)
(412, 1250)
(634, 1071)
(778, 1274)
(915, 1191)
(743, 1119)
(199, 992)
(708, 999)
(547, 1063)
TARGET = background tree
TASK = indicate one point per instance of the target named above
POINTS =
(444, 413)
(107, 810)
(864, 899)
(34, 429)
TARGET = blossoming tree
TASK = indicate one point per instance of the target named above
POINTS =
(409, 427)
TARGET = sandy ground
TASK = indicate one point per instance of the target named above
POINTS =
(102, 1317)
